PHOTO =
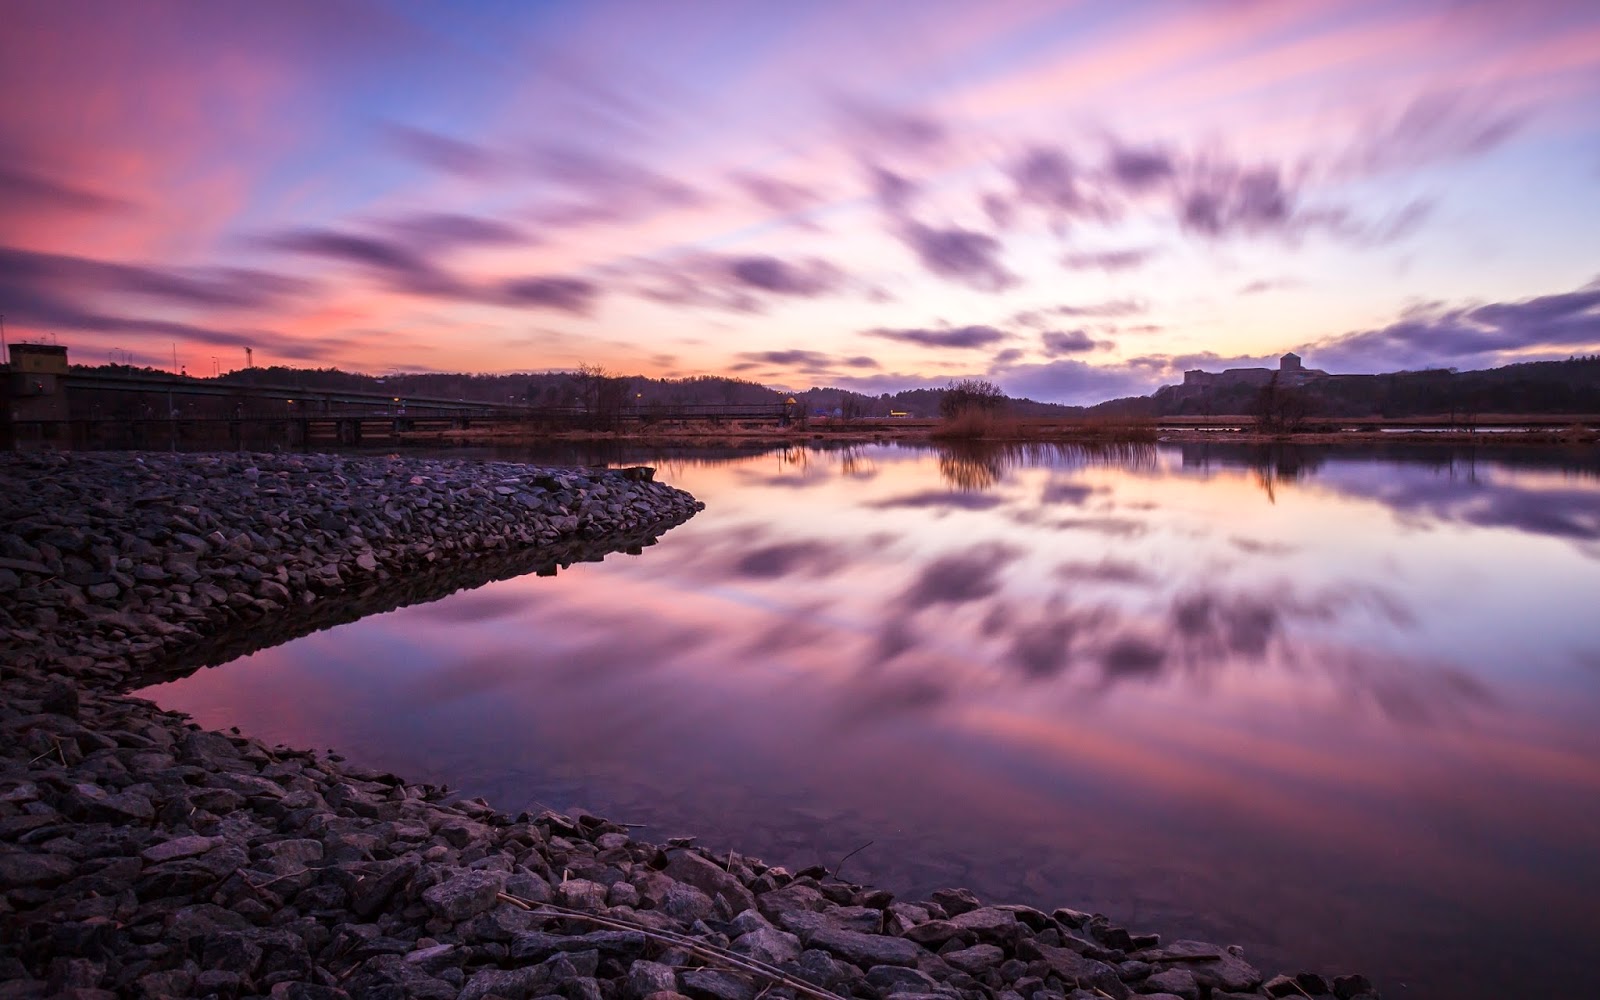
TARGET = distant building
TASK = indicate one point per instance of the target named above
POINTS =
(1290, 372)
(30, 389)
(39, 359)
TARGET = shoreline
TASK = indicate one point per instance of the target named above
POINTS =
(142, 855)
(847, 435)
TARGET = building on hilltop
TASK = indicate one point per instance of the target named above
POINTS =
(1290, 372)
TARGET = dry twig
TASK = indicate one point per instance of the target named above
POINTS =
(708, 952)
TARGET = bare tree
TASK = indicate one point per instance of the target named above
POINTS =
(964, 395)
(1280, 409)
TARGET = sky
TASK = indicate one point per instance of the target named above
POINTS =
(1077, 200)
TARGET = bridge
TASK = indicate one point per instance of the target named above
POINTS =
(46, 403)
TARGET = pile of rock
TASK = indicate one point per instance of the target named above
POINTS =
(141, 856)
(131, 557)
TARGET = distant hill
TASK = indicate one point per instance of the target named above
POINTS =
(568, 388)
(1571, 386)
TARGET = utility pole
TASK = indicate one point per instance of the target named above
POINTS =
(249, 358)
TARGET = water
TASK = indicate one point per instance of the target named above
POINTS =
(1341, 706)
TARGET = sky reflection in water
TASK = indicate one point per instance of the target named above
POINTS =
(1338, 707)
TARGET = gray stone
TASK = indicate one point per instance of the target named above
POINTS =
(1180, 982)
(686, 903)
(465, 894)
(1217, 968)
(866, 950)
(888, 979)
(581, 894)
(694, 870)
(794, 896)
(767, 944)
(956, 901)
(714, 984)
(18, 869)
(1075, 969)
(647, 978)
(179, 847)
(510, 984)
(302, 852)
(975, 960)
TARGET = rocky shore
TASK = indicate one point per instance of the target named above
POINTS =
(142, 856)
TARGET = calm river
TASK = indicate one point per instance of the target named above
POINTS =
(1339, 706)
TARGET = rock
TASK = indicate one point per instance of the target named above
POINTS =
(1075, 969)
(1179, 982)
(767, 944)
(19, 869)
(1349, 987)
(933, 933)
(712, 984)
(694, 870)
(465, 894)
(893, 979)
(307, 991)
(581, 894)
(179, 847)
(510, 984)
(688, 904)
(975, 960)
(648, 978)
(866, 950)
(1218, 969)
(955, 902)
(819, 967)
(794, 896)
(536, 946)
(986, 922)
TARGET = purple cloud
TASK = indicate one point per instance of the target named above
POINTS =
(441, 152)
(401, 267)
(776, 194)
(1071, 381)
(971, 257)
(1492, 333)
(1109, 309)
(1222, 199)
(880, 125)
(1267, 285)
(811, 361)
(221, 288)
(1140, 169)
(572, 295)
(602, 188)
(1108, 260)
(393, 263)
(1047, 178)
(447, 230)
(739, 282)
(957, 338)
(1059, 342)
(24, 186)
(1431, 128)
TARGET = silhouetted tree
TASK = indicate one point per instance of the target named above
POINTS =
(964, 395)
(1280, 409)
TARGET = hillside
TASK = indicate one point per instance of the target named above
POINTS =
(1571, 386)
(573, 388)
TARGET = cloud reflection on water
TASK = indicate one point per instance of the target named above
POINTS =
(1290, 708)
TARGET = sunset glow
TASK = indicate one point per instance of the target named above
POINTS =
(1078, 200)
